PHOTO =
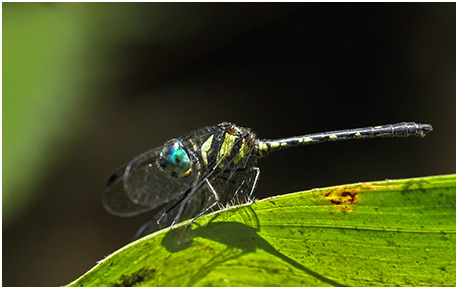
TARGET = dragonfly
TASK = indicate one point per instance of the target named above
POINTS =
(211, 167)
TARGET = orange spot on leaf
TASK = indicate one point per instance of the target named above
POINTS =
(343, 198)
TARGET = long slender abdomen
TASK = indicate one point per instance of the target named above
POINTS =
(403, 129)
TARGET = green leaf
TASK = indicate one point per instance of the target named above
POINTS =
(389, 233)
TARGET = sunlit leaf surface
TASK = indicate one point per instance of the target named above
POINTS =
(390, 233)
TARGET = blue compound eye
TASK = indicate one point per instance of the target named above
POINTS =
(174, 160)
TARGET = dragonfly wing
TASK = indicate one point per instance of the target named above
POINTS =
(141, 185)
(163, 219)
(148, 185)
(115, 200)
(234, 188)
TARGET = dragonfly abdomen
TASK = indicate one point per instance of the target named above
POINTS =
(403, 129)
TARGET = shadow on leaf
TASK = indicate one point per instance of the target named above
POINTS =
(240, 239)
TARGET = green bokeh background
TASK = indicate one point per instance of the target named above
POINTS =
(87, 86)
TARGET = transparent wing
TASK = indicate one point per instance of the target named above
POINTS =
(235, 188)
(141, 185)
(193, 207)
(115, 199)
(235, 182)
(147, 185)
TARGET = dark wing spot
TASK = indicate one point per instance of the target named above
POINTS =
(112, 179)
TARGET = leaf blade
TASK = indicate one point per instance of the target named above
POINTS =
(389, 233)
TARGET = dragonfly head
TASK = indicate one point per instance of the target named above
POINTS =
(174, 160)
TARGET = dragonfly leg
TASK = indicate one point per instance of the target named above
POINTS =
(183, 205)
(204, 211)
(141, 232)
(256, 179)
(212, 205)
(156, 224)
(171, 207)
(212, 190)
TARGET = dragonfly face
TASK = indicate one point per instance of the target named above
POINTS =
(174, 159)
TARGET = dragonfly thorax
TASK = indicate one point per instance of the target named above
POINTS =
(227, 145)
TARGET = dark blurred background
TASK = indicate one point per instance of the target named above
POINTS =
(88, 86)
